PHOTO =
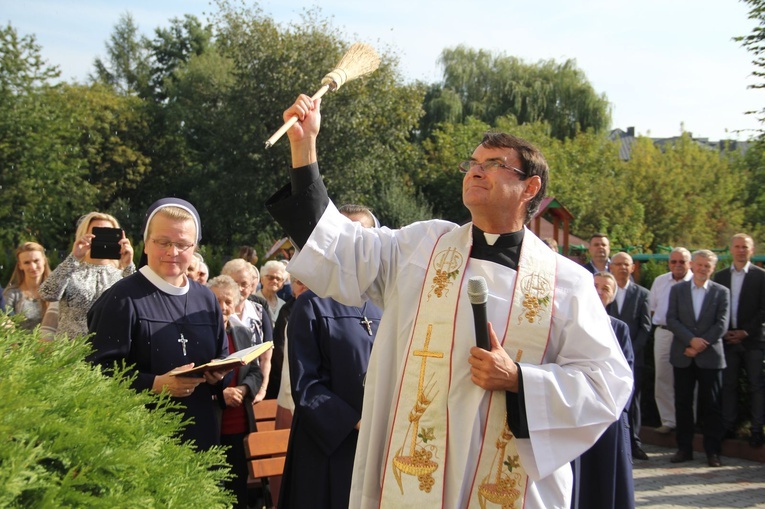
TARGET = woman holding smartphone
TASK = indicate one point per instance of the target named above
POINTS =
(80, 279)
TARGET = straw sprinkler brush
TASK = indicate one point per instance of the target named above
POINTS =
(359, 60)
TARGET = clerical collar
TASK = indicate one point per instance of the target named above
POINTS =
(504, 249)
(163, 285)
(500, 240)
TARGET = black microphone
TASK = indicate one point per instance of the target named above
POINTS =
(478, 293)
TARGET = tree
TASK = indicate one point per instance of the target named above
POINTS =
(588, 177)
(227, 101)
(127, 66)
(32, 173)
(174, 46)
(691, 194)
(490, 86)
(754, 42)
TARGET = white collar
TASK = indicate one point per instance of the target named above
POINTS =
(163, 285)
(491, 238)
(745, 270)
(705, 286)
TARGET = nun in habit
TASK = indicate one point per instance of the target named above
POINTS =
(158, 320)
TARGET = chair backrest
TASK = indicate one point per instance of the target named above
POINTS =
(265, 415)
(264, 411)
(265, 452)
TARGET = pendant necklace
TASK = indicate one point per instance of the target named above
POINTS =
(181, 339)
(365, 322)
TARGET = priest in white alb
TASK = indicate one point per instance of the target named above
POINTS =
(445, 423)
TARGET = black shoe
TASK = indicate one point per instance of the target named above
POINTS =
(639, 454)
(756, 440)
(681, 456)
(714, 460)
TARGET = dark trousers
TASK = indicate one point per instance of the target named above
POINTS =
(634, 410)
(236, 458)
(736, 358)
(710, 390)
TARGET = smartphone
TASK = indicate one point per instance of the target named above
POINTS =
(106, 243)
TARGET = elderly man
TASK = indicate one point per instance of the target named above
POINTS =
(445, 423)
(664, 384)
(698, 316)
(630, 305)
(603, 474)
(744, 341)
(600, 248)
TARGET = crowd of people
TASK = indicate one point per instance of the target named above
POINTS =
(548, 416)
(707, 330)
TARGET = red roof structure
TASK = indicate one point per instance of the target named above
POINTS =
(553, 220)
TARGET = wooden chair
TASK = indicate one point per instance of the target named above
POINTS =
(265, 452)
(265, 414)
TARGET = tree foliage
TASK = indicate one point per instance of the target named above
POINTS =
(232, 97)
(185, 112)
(75, 438)
(127, 66)
(486, 86)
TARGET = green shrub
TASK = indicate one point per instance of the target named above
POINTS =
(651, 270)
(71, 437)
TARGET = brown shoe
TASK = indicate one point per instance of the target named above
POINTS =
(664, 430)
(681, 456)
(714, 460)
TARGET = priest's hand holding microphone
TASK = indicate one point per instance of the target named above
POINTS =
(491, 368)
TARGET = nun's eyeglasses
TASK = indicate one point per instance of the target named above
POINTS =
(166, 245)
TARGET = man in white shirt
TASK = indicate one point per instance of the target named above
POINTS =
(664, 386)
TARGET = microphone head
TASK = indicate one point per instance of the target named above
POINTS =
(478, 291)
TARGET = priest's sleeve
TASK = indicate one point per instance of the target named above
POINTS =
(298, 206)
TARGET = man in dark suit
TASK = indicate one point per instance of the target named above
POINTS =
(600, 248)
(698, 318)
(744, 342)
(630, 305)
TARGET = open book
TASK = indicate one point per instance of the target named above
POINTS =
(239, 358)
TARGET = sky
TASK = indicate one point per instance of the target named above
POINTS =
(666, 66)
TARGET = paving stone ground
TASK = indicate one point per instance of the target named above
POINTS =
(661, 484)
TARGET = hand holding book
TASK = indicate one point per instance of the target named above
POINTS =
(239, 358)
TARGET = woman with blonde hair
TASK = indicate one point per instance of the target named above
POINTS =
(22, 295)
(80, 279)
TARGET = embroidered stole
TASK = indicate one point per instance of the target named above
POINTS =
(415, 466)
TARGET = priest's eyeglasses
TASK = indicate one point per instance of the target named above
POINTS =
(488, 166)
(166, 245)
